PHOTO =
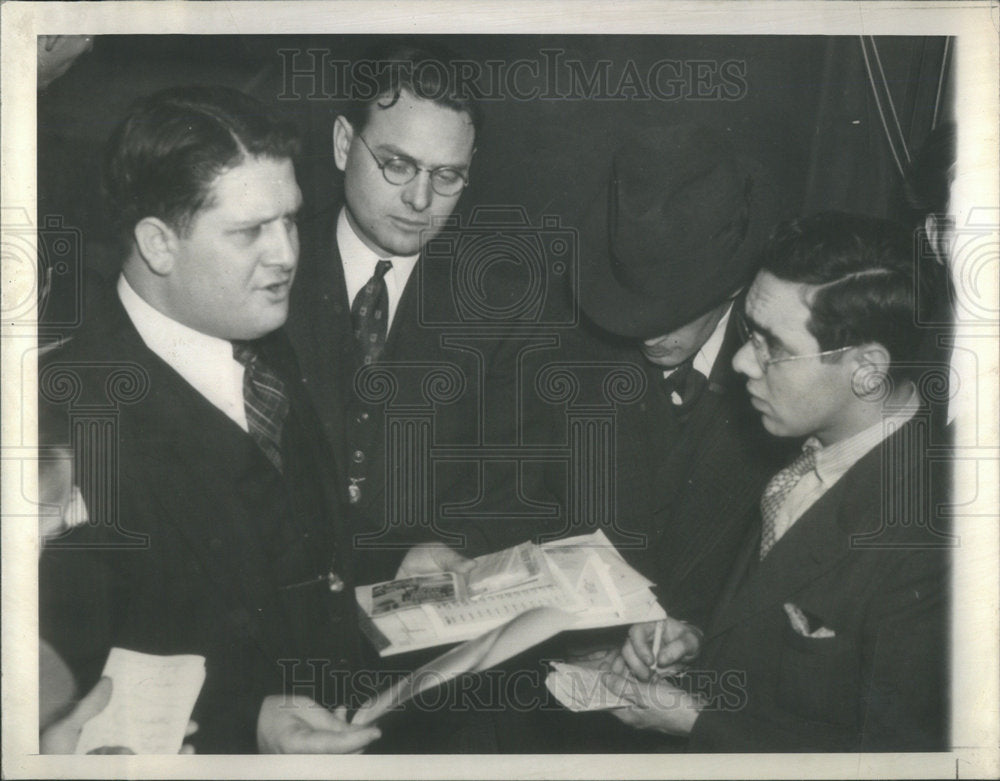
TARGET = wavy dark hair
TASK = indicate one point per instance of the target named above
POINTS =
(430, 72)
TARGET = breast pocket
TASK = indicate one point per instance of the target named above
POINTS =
(818, 677)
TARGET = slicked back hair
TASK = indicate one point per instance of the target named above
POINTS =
(865, 269)
(164, 157)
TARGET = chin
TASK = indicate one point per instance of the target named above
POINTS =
(772, 426)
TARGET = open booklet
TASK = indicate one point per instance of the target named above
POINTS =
(583, 577)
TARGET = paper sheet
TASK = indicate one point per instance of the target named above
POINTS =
(526, 630)
(581, 688)
(582, 575)
(151, 703)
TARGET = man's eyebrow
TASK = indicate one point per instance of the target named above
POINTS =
(395, 151)
(264, 218)
(767, 333)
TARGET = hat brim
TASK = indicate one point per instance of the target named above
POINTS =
(632, 313)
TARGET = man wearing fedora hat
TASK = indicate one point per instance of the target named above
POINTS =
(669, 244)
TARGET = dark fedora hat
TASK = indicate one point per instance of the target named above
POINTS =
(674, 232)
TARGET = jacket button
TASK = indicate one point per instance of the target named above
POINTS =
(358, 456)
(363, 417)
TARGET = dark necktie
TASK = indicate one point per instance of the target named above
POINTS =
(775, 494)
(684, 385)
(265, 401)
(370, 313)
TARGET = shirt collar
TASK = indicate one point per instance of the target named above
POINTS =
(205, 362)
(164, 335)
(833, 461)
(704, 359)
(354, 251)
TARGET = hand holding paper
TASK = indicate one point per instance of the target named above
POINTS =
(432, 558)
(656, 705)
(150, 703)
(297, 725)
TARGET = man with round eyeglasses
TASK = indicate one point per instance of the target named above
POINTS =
(396, 372)
(830, 634)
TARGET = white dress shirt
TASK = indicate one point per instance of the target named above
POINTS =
(833, 461)
(704, 359)
(359, 265)
(206, 362)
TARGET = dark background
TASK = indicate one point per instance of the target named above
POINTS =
(807, 112)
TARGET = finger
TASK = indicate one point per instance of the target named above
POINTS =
(328, 742)
(449, 560)
(638, 667)
(111, 750)
(187, 748)
(622, 686)
(461, 564)
(674, 651)
(639, 638)
(95, 701)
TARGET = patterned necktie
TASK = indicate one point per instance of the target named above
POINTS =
(684, 385)
(775, 494)
(370, 313)
(265, 401)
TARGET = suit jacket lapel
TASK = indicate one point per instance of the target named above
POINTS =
(814, 544)
(218, 438)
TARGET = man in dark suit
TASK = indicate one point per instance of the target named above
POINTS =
(831, 633)
(212, 519)
(413, 363)
(666, 251)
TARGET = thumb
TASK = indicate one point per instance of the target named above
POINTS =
(95, 701)
(462, 565)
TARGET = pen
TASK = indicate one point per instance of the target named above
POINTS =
(657, 640)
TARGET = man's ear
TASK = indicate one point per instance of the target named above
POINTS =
(157, 243)
(937, 237)
(343, 134)
(870, 380)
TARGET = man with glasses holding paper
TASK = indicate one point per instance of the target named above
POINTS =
(390, 357)
(381, 335)
(830, 634)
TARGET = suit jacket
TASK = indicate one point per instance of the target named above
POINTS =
(193, 533)
(868, 563)
(410, 432)
(687, 484)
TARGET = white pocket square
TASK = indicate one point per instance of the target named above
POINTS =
(800, 623)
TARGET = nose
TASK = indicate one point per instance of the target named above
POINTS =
(745, 362)
(283, 249)
(417, 193)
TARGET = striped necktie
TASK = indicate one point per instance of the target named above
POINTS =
(775, 494)
(265, 401)
(370, 313)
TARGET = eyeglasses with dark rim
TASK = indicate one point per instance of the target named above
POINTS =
(763, 353)
(401, 170)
